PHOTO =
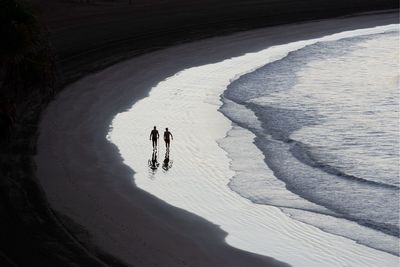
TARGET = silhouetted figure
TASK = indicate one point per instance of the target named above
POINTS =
(167, 164)
(154, 137)
(153, 163)
(167, 138)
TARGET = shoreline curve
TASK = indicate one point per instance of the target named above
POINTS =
(73, 152)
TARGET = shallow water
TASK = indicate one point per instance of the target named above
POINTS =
(329, 119)
(188, 104)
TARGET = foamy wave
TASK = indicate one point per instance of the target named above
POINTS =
(188, 104)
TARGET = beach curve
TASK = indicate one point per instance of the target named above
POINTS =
(83, 128)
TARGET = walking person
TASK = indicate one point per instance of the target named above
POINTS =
(167, 136)
(154, 137)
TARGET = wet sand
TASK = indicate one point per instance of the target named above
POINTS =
(84, 176)
(90, 36)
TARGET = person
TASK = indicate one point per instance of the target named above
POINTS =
(154, 137)
(167, 135)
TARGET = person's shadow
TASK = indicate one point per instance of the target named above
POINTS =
(167, 163)
(153, 163)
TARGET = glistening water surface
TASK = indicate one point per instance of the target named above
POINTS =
(210, 152)
(329, 116)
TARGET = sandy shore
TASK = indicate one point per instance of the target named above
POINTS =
(88, 37)
(188, 103)
(85, 179)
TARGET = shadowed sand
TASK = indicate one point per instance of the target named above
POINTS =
(89, 35)
(85, 179)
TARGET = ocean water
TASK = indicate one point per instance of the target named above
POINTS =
(225, 162)
(326, 119)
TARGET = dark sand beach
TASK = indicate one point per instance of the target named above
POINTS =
(89, 36)
(147, 232)
(121, 217)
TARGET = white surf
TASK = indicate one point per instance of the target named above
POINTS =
(187, 103)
